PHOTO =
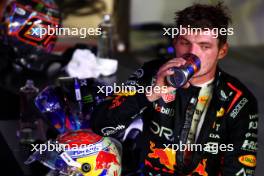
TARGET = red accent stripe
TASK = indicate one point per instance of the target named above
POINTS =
(67, 122)
(115, 173)
(238, 94)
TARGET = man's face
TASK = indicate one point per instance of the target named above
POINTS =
(205, 47)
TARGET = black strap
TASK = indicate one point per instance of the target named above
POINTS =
(181, 155)
(185, 103)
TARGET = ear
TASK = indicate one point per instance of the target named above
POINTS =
(223, 51)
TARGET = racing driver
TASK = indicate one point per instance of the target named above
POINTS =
(213, 109)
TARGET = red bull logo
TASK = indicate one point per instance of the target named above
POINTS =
(168, 97)
(79, 138)
(117, 102)
(166, 156)
(200, 169)
(105, 159)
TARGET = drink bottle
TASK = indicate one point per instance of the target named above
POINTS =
(28, 120)
(105, 40)
(183, 73)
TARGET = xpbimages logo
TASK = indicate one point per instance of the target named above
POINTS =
(210, 147)
(182, 30)
(76, 149)
(58, 31)
(130, 89)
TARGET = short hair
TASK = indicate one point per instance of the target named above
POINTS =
(205, 16)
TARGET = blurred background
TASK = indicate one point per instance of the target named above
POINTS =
(138, 38)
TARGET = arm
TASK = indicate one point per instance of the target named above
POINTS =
(114, 115)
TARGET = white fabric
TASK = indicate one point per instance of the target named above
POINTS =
(205, 91)
(84, 64)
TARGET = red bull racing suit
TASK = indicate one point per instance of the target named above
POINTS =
(228, 132)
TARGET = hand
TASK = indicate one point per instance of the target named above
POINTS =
(161, 82)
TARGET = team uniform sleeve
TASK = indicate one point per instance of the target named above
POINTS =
(113, 116)
(242, 134)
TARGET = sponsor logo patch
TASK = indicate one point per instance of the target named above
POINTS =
(168, 97)
(253, 135)
(255, 116)
(111, 130)
(163, 110)
(249, 146)
(238, 107)
(220, 113)
(166, 157)
(253, 125)
(214, 136)
(161, 131)
(248, 160)
(203, 99)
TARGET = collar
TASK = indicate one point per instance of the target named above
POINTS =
(206, 83)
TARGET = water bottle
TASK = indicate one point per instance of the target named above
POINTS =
(28, 115)
(105, 40)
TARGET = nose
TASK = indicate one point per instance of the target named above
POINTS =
(194, 49)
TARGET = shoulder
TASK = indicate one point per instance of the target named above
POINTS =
(239, 99)
(237, 86)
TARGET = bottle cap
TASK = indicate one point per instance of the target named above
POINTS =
(107, 17)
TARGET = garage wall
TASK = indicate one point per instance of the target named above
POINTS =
(247, 16)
